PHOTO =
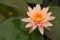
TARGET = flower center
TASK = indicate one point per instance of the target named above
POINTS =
(38, 17)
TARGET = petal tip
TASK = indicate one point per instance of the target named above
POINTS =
(42, 33)
(29, 8)
(37, 4)
(28, 25)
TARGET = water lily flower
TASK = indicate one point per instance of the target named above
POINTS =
(38, 18)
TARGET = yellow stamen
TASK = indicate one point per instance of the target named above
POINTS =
(38, 17)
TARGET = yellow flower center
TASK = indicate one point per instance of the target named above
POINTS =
(38, 17)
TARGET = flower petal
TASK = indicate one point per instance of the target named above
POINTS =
(32, 28)
(45, 10)
(41, 29)
(29, 9)
(26, 19)
(28, 25)
(47, 17)
(51, 18)
(29, 14)
(49, 13)
(47, 24)
(38, 7)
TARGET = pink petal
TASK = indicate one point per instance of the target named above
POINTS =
(47, 17)
(29, 14)
(28, 25)
(41, 29)
(47, 24)
(26, 19)
(29, 9)
(38, 7)
(45, 10)
(49, 13)
(51, 18)
(32, 28)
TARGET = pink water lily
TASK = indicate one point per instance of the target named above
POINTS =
(38, 18)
